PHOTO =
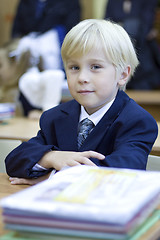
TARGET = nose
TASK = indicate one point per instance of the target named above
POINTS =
(83, 76)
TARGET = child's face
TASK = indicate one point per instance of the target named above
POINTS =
(92, 80)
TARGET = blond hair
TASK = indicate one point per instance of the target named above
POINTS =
(95, 33)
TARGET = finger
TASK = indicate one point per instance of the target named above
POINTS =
(93, 154)
(11, 178)
(20, 181)
(74, 163)
(25, 181)
(86, 161)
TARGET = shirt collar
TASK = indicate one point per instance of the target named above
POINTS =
(95, 117)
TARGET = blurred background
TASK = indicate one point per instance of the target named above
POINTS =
(8, 11)
(89, 9)
(147, 79)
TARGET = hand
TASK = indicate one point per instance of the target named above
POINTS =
(61, 159)
(27, 181)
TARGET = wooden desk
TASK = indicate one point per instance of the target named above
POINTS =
(6, 189)
(19, 128)
(145, 97)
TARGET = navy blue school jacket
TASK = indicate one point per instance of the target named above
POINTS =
(125, 135)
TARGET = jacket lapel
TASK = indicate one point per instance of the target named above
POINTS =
(101, 129)
(66, 126)
(67, 123)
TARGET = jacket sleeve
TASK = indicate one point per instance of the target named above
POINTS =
(20, 161)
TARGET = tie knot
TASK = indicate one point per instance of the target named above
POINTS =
(84, 129)
(86, 122)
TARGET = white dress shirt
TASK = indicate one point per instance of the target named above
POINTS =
(95, 117)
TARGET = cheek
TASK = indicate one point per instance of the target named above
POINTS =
(70, 80)
(104, 83)
(70, 85)
(107, 86)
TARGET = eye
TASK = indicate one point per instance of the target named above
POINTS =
(95, 67)
(73, 67)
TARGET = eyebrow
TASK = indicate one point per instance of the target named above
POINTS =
(92, 60)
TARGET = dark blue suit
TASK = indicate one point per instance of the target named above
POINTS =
(125, 135)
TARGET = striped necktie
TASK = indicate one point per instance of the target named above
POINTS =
(84, 129)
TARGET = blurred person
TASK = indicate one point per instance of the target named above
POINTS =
(43, 15)
(41, 25)
(46, 21)
(45, 70)
(49, 18)
(137, 17)
(33, 90)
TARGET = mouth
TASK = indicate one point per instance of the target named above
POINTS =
(85, 91)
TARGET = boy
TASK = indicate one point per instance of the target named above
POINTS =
(99, 59)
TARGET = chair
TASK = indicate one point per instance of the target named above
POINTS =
(6, 146)
(153, 163)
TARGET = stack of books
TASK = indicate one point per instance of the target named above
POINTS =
(7, 110)
(85, 202)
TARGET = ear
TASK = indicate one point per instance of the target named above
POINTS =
(124, 76)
